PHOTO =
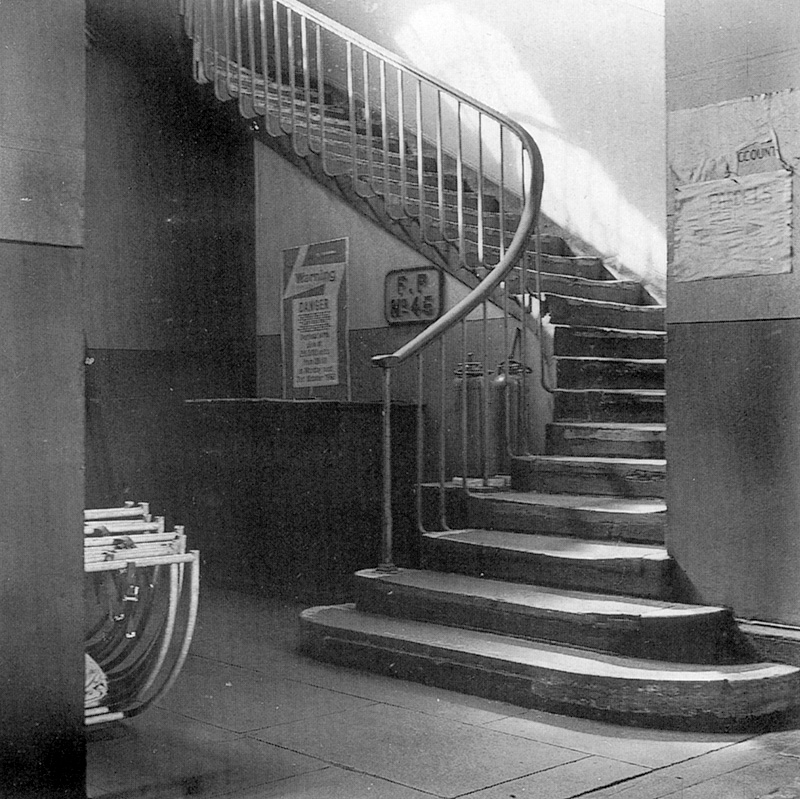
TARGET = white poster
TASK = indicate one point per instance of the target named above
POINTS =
(735, 227)
(315, 315)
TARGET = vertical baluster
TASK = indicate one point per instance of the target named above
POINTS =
(187, 9)
(502, 191)
(251, 47)
(523, 356)
(443, 415)
(351, 105)
(245, 103)
(420, 160)
(420, 442)
(276, 28)
(199, 38)
(207, 43)
(507, 352)
(290, 56)
(306, 61)
(462, 238)
(228, 50)
(401, 128)
(464, 404)
(485, 438)
(480, 204)
(368, 121)
(385, 134)
(263, 35)
(320, 91)
(219, 85)
(387, 562)
(440, 164)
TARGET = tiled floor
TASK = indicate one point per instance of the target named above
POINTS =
(250, 718)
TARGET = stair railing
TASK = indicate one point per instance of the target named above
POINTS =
(468, 176)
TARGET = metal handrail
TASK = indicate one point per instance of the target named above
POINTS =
(231, 36)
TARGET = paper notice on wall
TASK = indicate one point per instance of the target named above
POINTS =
(315, 314)
(738, 227)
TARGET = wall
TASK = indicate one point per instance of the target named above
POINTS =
(169, 297)
(586, 77)
(41, 413)
(732, 372)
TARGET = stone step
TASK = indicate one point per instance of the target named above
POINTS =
(578, 373)
(598, 342)
(598, 313)
(615, 477)
(629, 626)
(608, 405)
(554, 678)
(606, 439)
(626, 292)
(597, 518)
(557, 561)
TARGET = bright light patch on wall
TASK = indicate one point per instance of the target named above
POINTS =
(579, 193)
(440, 38)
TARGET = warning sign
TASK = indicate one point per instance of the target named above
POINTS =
(315, 316)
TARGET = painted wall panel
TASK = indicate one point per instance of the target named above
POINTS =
(41, 492)
(724, 49)
(733, 455)
(41, 121)
(169, 220)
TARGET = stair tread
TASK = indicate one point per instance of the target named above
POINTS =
(644, 427)
(586, 459)
(553, 546)
(522, 653)
(535, 597)
(608, 360)
(616, 331)
(586, 502)
(636, 392)
(622, 306)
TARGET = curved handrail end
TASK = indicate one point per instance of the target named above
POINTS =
(385, 361)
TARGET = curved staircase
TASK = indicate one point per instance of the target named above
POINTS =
(550, 587)
(558, 592)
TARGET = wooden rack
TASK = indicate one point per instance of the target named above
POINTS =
(142, 590)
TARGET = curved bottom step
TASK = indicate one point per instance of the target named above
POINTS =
(554, 678)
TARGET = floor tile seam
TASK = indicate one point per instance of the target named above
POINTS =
(352, 769)
(236, 733)
(647, 766)
(523, 777)
(683, 787)
(398, 706)
(720, 748)
(316, 716)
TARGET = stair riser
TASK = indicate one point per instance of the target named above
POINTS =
(605, 374)
(644, 528)
(605, 290)
(703, 639)
(585, 444)
(602, 407)
(695, 707)
(596, 480)
(593, 343)
(642, 578)
(574, 312)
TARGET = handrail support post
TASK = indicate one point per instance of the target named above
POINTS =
(387, 565)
